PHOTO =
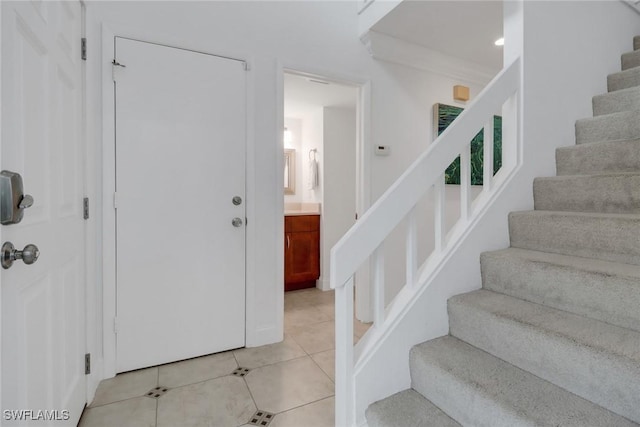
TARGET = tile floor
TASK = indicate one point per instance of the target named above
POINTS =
(288, 384)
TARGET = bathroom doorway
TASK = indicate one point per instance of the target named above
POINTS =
(325, 169)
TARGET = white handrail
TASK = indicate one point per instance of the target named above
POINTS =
(365, 238)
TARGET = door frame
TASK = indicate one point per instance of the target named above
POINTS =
(107, 178)
(364, 159)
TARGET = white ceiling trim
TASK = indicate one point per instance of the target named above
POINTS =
(388, 48)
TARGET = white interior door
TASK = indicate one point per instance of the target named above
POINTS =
(180, 161)
(43, 305)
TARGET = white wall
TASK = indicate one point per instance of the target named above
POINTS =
(314, 36)
(312, 139)
(339, 171)
(569, 48)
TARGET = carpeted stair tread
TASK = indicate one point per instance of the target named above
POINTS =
(615, 102)
(630, 60)
(599, 157)
(610, 237)
(602, 290)
(407, 408)
(608, 192)
(592, 359)
(623, 79)
(608, 127)
(478, 389)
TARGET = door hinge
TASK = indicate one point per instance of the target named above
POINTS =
(83, 48)
(87, 363)
(85, 208)
(115, 64)
(115, 200)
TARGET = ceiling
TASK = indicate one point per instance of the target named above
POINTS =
(464, 29)
(302, 95)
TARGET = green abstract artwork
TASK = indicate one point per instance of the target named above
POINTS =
(444, 115)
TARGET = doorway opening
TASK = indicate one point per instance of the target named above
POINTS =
(325, 176)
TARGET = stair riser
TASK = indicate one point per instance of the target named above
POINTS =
(604, 193)
(598, 295)
(608, 238)
(619, 156)
(616, 102)
(607, 381)
(630, 60)
(624, 80)
(621, 126)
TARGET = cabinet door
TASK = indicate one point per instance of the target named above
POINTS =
(302, 255)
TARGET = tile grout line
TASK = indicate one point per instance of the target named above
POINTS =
(306, 404)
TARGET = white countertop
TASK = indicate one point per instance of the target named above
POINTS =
(296, 209)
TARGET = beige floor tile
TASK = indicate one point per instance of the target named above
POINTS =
(125, 386)
(196, 370)
(317, 414)
(224, 401)
(328, 308)
(304, 316)
(360, 328)
(326, 360)
(289, 384)
(269, 354)
(307, 297)
(139, 412)
(315, 338)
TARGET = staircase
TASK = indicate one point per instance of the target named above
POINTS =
(553, 338)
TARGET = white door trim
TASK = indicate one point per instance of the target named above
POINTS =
(107, 177)
(363, 161)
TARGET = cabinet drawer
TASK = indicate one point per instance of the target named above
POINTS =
(293, 224)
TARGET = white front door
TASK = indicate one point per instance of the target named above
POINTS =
(180, 162)
(43, 304)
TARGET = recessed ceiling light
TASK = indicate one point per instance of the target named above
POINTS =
(499, 42)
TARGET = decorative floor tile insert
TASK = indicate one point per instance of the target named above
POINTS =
(157, 392)
(241, 372)
(261, 418)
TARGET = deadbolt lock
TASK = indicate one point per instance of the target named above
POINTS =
(13, 201)
(237, 200)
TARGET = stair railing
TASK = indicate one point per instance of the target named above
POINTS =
(364, 241)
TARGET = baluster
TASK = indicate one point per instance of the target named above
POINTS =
(465, 183)
(487, 157)
(378, 286)
(439, 214)
(344, 352)
(412, 248)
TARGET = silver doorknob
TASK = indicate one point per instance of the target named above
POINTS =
(236, 222)
(9, 253)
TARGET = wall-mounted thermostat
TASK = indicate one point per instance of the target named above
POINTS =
(383, 150)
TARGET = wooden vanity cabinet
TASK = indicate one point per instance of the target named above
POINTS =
(301, 251)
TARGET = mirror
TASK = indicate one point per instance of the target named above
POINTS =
(289, 171)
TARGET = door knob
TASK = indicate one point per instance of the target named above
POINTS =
(236, 222)
(9, 253)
